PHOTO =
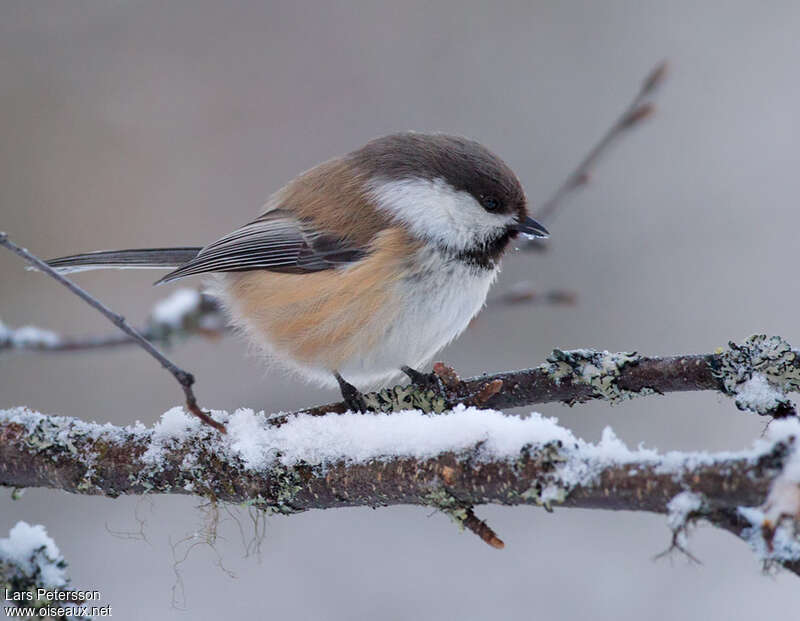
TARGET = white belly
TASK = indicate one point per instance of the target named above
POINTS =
(435, 305)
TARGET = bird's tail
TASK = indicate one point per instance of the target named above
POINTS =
(145, 258)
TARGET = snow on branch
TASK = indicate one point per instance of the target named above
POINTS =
(182, 314)
(451, 461)
(758, 373)
(33, 577)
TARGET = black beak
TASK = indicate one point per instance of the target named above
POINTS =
(531, 227)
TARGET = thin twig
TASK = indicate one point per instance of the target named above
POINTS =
(206, 320)
(185, 379)
(523, 292)
(638, 110)
(482, 529)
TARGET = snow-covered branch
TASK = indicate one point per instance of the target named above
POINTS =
(437, 448)
(182, 314)
(33, 577)
(451, 461)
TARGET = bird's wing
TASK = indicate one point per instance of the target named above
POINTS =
(277, 241)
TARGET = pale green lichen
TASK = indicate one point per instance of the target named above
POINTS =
(411, 397)
(285, 483)
(42, 436)
(769, 356)
(84, 486)
(285, 492)
(448, 504)
(545, 496)
(599, 369)
(548, 488)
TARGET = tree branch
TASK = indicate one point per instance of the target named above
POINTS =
(637, 111)
(467, 458)
(454, 460)
(182, 314)
(582, 375)
(185, 379)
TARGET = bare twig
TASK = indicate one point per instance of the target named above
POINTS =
(638, 110)
(523, 292)
(482, 529)
(185, 379)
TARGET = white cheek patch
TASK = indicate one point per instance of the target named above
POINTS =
(433, 209)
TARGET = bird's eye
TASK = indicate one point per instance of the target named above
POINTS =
(490, 203)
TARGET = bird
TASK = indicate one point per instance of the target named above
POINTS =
(364, 266)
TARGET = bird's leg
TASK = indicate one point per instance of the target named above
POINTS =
(425, 380)
(350, 394)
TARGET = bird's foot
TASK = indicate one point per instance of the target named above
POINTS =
(351, 396)
(423, 380)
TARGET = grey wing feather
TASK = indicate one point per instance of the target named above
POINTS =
(275, 241)
(158, 258)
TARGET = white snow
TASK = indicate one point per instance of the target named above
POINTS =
(359, 438)
(28, 336)
(65, 424)
(784, 545)
(678, 511)
(781, 510)
(758, 395)
(783, 499)
(680, 507)
(174, 426)
(29, 548)
(173, 309)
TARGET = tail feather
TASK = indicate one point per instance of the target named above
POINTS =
(144, 258)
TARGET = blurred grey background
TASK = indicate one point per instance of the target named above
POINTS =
(130, 123)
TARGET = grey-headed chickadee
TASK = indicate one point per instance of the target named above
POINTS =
(365, 265)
